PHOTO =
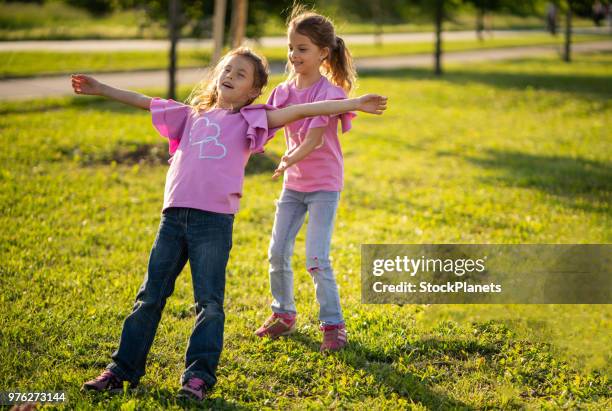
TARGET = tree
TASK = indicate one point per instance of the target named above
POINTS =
(439, 18)
(174, 30)
(439, 10)
(518, 8)
(568, 32)
(239, 22)
(482, 7)
(218, 29)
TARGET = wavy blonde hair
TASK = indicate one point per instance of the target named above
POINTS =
(205, 94)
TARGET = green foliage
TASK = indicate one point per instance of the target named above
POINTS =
(24, 15)
(467, 158)
(58, 20)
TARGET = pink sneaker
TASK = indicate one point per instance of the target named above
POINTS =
(334, 337)
(107, 381)
(195, 388)
(277, 325)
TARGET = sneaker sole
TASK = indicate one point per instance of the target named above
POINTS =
(85, 388)
(186, 395)
(283, 334)
(333, 349)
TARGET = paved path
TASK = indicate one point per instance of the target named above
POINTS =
(60, 85)
(141, 45)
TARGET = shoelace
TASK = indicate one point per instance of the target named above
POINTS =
(273, 320)
(108, 374)
(330, 335)
(195, 383)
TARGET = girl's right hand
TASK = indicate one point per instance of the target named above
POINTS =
(372, 103)
(282, 166)
(83, 84)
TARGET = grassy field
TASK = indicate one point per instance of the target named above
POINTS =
(56, 20)
(514, 152)
(33, 63)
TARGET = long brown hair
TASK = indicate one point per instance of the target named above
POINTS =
(338, 67)
(205, 95)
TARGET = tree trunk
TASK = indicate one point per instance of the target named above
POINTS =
(218, 29)
(239, 22)
(174, 26)
(378, 27)
(568, 33)
(480, 14)
(439, 15)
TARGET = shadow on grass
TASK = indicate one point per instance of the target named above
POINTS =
(580, 86)
(154, 155)
(409, 386)
(153, 397)
(580, 183)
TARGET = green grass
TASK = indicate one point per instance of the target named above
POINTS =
(515, 152)
(32, 63)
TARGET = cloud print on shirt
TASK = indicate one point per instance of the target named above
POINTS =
(205, 133)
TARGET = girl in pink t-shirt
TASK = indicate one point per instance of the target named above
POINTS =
(321, 68)
(211, 139)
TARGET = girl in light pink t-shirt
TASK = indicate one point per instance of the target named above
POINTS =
(211, 139)
(320, 68)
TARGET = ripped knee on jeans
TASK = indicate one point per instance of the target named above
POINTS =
(316, 264)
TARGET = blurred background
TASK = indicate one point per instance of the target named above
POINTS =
(173, 34)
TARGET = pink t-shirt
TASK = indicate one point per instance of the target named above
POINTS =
(209, 152)
(323, 168)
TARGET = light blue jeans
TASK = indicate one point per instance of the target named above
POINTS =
(291, 209)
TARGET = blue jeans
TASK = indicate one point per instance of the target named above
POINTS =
(205, 239)
(291, 210)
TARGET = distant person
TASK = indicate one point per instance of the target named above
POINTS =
(599, 12)
(551, 18)
(320, 67)
(210, 140)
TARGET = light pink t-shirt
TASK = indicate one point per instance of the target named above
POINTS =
(323, 168)
(209, 152)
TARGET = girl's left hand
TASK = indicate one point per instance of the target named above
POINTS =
(282, 166)
(83, 84)
(372, 103)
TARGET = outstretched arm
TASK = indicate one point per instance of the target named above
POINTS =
(83, 84)
(369, 103)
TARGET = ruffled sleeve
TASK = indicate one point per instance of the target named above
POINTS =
(279, 96)
(333, 93)
(258, 132)
(169, 118)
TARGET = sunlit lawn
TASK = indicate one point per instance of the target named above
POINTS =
(515, 152)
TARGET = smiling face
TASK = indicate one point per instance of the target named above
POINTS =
(235, 82)
(305, 56)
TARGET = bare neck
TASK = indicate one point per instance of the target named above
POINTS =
(308, 79)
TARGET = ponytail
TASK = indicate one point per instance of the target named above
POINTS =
(340, 66)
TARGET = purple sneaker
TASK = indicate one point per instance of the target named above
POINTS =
(195, 388)
(334, 337)
(277, 325)
(107, 381)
